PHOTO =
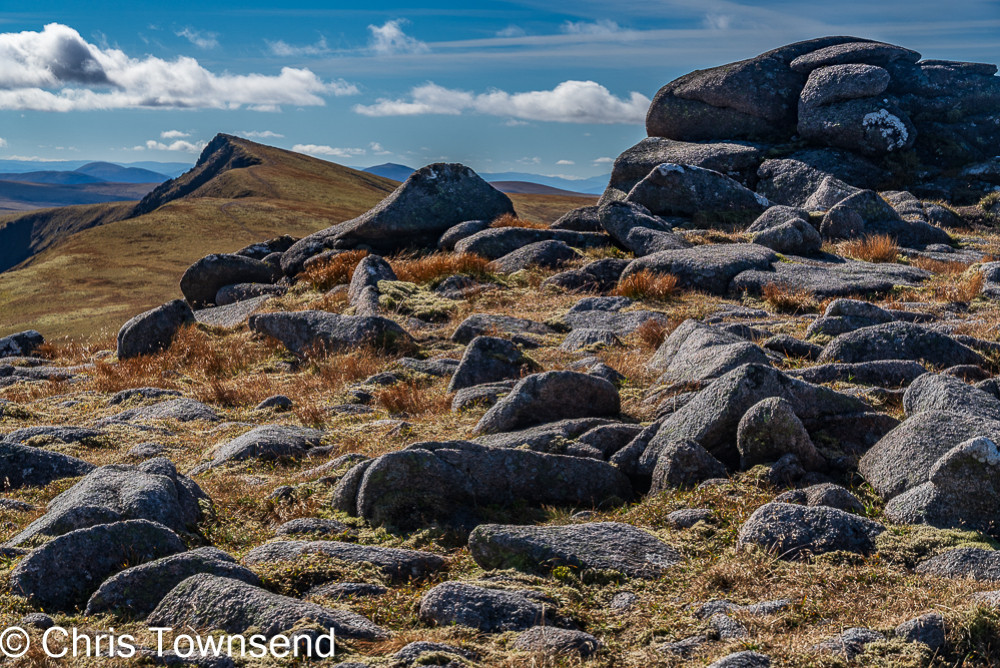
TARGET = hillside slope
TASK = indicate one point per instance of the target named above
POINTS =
(97, 266)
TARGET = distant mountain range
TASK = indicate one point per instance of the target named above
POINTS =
(90, 183)
(592, 186)
(165, 169)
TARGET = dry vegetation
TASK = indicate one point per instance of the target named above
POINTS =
(646, 284)
(785, 299)
(510, 220)
(875, 248)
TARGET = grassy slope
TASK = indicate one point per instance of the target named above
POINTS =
(98, 278)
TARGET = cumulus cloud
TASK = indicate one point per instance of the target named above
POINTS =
(284, 49)
(57, 70)
(569, 102)
(604, 161)
(180, 145)
(565, 162)
(328, 151)
(202, 40)
(389, 39)
(260, 134)
(378, 149)
(174, 134)
(3, 143)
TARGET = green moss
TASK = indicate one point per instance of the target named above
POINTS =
(415, 300)
(910, 545)
(895, 653)
(294, 578)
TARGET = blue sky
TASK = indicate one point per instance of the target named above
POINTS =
(543, 86)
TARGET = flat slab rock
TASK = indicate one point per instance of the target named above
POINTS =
(840, 278)
(482, 608)
(302, 331)
(792, 531)
(600, 545)
(964, 562)
(401, 565)
(207, 601)
(267, 442)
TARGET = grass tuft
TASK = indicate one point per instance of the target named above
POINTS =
(510, 220)
(335, 271)
(437, 266)
(872, 248)
(785, 299)
(647, 285)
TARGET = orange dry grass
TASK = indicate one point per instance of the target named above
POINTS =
(784, 299)
(335, 271)
(939, 266)
(873, 248)
(410, 398)
(510, 220)
(438, 265)
(651, 334)
(647, 285)
(964, 288)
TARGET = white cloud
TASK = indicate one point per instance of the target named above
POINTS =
(284, 49)
(179, 145)
(530, 161)
(174, 134)
(328, 151)
(389, 39)
(57, 70)
(378, 149)
(512, 31)
(604, 161)
(718, 21)
(3, 143)
(514, 123)
(602, 27)
(565, 162)
(260, 134)
(31, 158)
(569, 102)
(202, 40)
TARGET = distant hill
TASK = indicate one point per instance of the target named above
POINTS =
(592, 186)
(525, 188)
(169, 169)
(107, 171)
(24, 196)
(51, 176)
(88, 269)
(391, 170)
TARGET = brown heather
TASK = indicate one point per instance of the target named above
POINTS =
(436, 266)
(335, 271)
(646, 284)
(510, 220)
(873, 248)
(788, 300)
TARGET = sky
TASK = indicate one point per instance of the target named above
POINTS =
(549, 87)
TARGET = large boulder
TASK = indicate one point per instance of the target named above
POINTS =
(712, 417)
(694, 192)
(152, 331)
(755, 98)
(448, 482)
(944, 392)
(548, 397)
(962, 491)
(785, 229)
(865, 213)
(904, 457)
(846, 315)
(63, 573)
(308, 331)
(550, 254)
(202, 280)
(829, 276)
(710, 268)
(136, 591)
(152, 491)
(737, 160)
(792, 531)
(20, 344)
(684, 464)
(899, 341)
(484, 609)
(22, 465)
(696, 352)
(598, 545)
(488, 359)
(207, 601)
(769, 430)
(264, 443)
(431, 200)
